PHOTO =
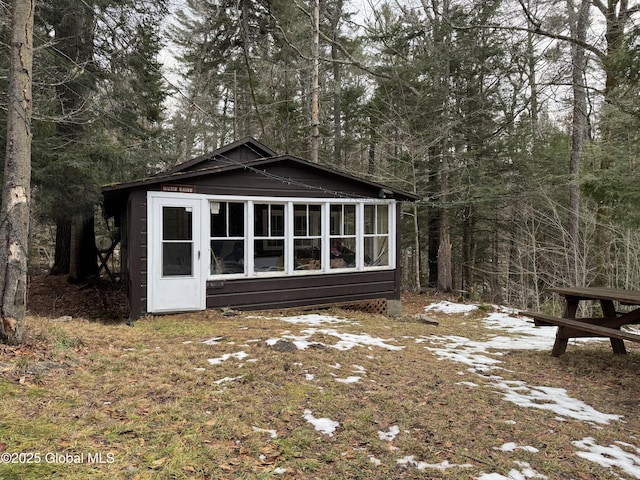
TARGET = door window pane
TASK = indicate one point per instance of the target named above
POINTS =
(177, 259)
(176, 223)
(177, 241)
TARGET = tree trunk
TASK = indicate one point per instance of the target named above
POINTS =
(16, 196)
(337, 84)
(445, 273)
(74, 37)
(246, 42)
(578, 24)
(315, 59)
(445, 260)
(84, 263)
(417, 250)
(467, 250)
(432, 251)
(62, 255)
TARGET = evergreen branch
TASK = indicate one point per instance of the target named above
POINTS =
(351, 61)
(536, 31)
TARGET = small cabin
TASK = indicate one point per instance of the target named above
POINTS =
(246, 228)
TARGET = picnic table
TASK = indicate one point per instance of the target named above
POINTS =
(607, 325)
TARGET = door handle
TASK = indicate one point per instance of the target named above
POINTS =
(198, 254)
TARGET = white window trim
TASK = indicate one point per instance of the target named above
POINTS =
(289, 237)
(209, 238)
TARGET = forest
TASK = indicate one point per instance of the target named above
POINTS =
(515, 121)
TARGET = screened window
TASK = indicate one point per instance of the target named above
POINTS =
(376, 235)
(342, 235)
(227, 238)
(269, 241)
(307, 237)
(300, 237)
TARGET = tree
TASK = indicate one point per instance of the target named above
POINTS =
(579, 22)
(16, 197)
(105, 116)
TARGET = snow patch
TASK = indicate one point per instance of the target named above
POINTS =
(390, 435)
(238, 356)
(611, 456)
(324, 425)
(449, 307)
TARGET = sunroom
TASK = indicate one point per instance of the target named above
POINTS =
(246, 228)
(298, 236)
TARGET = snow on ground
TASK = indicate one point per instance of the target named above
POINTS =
(410, 461)
(611, 456)
(324, 425)
(346, 341)
(482, 359)
(390, 435)
(526, 472)
(238, 356)
(449, 307)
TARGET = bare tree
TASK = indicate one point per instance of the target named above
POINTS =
(14, 215)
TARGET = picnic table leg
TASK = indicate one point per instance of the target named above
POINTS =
(560, 345)
(609, 311)
(618, 347)
(571, 307)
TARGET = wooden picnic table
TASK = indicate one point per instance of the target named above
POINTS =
(607, 325)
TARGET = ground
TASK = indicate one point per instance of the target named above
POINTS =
(54, 296)
(331, 394)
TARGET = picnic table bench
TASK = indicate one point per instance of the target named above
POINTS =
(607, 325)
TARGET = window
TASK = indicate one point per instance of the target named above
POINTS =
(342, 235)
(297, 237)
(376, 235)
(227, 238)
(177, 241)
(268, 230)
(307, 237)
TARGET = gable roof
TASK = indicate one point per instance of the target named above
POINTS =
(250, 155)
(245, 149)
(257, 165)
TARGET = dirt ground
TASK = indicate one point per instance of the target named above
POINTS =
(54, 296)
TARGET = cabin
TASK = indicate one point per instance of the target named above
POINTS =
(248, 229)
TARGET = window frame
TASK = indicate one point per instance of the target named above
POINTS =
(269, 237)
(376, 235)
(228, 236)
(289, 234)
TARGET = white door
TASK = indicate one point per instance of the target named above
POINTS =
(176, 281)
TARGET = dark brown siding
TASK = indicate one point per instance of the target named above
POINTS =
(292, 291)
(138, 253)
(280, 180)
(242, 154)
(398, 271)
